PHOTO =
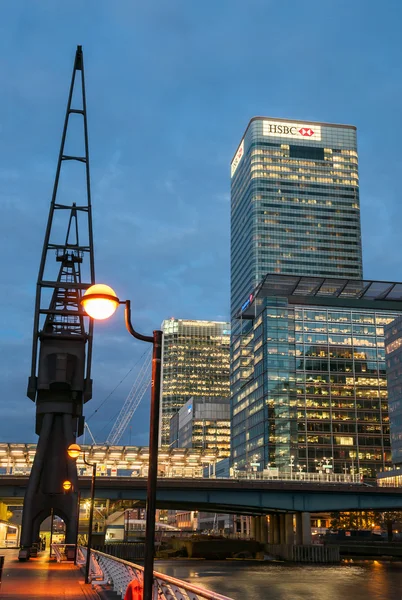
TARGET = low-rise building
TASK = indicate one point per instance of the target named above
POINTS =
(202, 423)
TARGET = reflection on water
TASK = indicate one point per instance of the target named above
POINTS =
(251, 580)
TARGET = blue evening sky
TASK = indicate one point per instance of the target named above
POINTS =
(171, 86)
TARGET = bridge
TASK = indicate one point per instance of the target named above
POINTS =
(251, 497)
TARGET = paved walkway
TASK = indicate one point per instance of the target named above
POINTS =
(41, 579)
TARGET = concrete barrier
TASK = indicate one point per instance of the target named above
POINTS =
(367, 548)
(310, 554)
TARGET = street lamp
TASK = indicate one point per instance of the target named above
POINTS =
(100, 302)
(74, 450)
(291, 465)
(67, 485)
(300, 467)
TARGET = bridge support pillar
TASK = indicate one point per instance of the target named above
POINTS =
(299, 536)
(289, 535)
(282, 529)
(263, 530)
(303, 528)
(246, 525)
(274, 529)
(256, 528)
(253, 528)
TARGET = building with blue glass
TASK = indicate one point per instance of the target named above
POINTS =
(309, 383)
(294, 203)
(393, 353)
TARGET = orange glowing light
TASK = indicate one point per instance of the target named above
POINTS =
(67, 485)
(74, 450)
(100, 301)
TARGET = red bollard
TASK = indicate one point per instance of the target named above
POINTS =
(133, 591)
(2, 565)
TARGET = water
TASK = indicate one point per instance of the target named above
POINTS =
(252, 580)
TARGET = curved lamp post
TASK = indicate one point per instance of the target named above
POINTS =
(74, 450)
(100, 302)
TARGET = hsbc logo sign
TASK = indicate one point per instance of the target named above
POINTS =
(306, 131)
(291, 130)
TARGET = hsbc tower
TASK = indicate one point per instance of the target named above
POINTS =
(308, 370)
(294, 204)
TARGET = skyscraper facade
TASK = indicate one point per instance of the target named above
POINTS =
(393, 353)
(309, 375)
(294, 203)
(195, 363)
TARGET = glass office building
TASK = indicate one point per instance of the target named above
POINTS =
(195, 363)
(202, 423)
(308, 375)
(294, 203)
(393, 352)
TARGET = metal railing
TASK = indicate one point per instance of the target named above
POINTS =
(108, 570)
(63, 552)
(296, 476)
(260, 475)
(125, 550)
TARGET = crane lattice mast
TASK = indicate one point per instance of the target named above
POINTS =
(60, 381)
(137, 392)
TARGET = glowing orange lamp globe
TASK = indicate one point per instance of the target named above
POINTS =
(100, 301)
(67, 485)
(74, 450)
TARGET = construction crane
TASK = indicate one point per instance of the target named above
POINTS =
(60, 380)
(136, 394)
(86, 427)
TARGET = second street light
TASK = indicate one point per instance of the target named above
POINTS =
(74, 450)
(100, 302)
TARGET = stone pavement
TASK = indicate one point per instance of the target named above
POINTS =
(41, 579)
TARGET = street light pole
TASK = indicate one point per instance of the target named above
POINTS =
(91, 518)
(153, 466)
(74, 451)
(291, 466)
(100, 302)
(156, 340)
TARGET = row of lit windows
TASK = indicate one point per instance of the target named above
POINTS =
(339, 316)
(394, 345)
(318, 203)
(323, 379)
(280, 168)
(328, 180)
(356, 328)
(343, 161)
(266, 151)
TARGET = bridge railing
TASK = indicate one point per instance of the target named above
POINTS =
(296, 476)
(261, 475)
(63, 552)
(118, 573)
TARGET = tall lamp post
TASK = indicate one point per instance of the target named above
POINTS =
(74, 450)
(291, 465)
(100, 302)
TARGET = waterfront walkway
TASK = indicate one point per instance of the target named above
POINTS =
(42, 579)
